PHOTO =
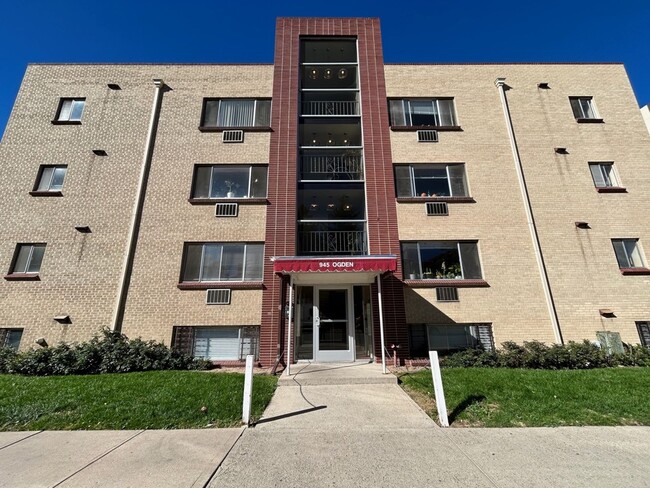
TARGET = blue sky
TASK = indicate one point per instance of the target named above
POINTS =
(33, 31)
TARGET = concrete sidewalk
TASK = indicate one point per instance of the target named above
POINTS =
(340, 433)
(120, 459)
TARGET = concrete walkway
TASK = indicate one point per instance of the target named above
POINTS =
(120, 459)
(335, 426)
(335, 430)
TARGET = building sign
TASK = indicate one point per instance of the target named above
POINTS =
(377, 264)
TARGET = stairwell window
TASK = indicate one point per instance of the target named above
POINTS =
(629, 255)
(235, 112)
(70, 110)
(584, 109)
(432, 112)
(214, 261)
(10, 337)
(441, 260)
(604, 175)
(431, 180)
(229, 181)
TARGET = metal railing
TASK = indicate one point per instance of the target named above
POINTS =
(331, 167)
(330, 242)
(330, 108)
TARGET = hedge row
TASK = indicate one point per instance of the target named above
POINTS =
(537, 355)
(110, 353)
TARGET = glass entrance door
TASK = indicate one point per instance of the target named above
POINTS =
(333, 334)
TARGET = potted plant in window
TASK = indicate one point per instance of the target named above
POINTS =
(230, 185)
(428, 274)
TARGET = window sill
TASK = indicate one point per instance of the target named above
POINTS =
(413, 128)
(611, 189)
(590, 121)
(635, 271)
(66, 122)
(235, 285)
(37, 193)
(22, 277)
(436, 283)
(204, 128)
(243, 201)
(435, 199)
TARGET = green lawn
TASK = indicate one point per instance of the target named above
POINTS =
(150, 400)
(520, 397)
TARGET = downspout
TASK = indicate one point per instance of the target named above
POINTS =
(118, 314)
(500, 84)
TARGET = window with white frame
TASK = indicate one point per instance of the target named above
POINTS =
(235, 112)
(604, 175)
(436, 112)
(583, 108)
(70, 109)
(431, 180)
(10, 337)
(628, 253)
(431, 260)
(28, 258)
(214, 261)
(229, 181)
(50, 178)
(223, 343)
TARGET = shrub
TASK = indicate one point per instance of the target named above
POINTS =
(110, 353)
(537, 355)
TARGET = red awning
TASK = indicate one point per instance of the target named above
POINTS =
(373, 264)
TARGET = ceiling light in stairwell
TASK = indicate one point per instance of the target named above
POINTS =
(343, 73)
(327, 74)
(313, 74)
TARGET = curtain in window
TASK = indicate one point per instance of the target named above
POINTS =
(236, 113)
(396, 108)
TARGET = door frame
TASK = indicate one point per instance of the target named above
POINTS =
(339, 355)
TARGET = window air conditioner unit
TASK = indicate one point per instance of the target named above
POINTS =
(427, 135)
(232, 136)
(218, 297)
(226, 209)
(437, 208)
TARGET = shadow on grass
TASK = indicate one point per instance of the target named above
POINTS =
(464, 405)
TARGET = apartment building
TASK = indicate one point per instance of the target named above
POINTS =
(326, 207)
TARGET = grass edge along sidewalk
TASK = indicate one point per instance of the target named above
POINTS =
(143, 400)
(487, 397)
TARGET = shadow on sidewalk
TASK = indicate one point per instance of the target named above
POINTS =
(287, 415)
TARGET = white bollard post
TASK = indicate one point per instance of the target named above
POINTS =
(248, 390)
(437, 389)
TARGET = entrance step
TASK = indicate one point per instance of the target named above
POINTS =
(336, 374)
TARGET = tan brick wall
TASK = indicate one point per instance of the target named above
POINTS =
(80, 272)
(581, 263)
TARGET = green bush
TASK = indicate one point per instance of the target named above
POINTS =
(537, 355)
(110, 353)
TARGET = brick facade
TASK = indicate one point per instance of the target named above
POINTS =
(80, 272)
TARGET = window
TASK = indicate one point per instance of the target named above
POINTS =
(28, 258)
(452, 337)
(50, 178)
(628, 253)
(10, 337)
(217, 343)
(236, 113)
(441, 260)
(604, 175)
(229, 181)
(223, 262)
(583, 108)
(438, 112)
(644, 333)
(431, 180)
(70, 110)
